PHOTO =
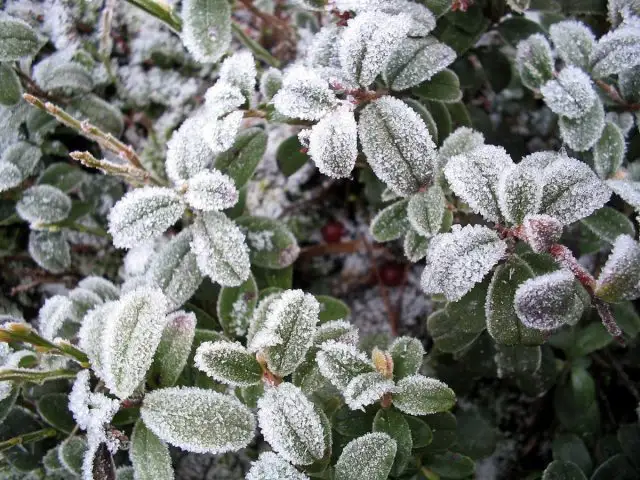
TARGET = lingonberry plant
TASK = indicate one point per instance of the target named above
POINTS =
(207, 206)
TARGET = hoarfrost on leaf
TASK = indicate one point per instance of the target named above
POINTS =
(304, 95)
(17, 39)
(42, 204)
(270, 83)
(369, 457)
(271, 466)
(105, 289)
(462, 140)
(541, 231)
(187, 152)
(519, 193)
(609, 151)
(407, 354)
(228, 362)
(420, 395)
(336, 330)
(391, 222)
(618, 50)
(333, 143)
(91, 335)
(415, 246)
(620, 277)
(239, 70)
(426, 211)
(534, 61)
(223, 98)
(341, 362)
(628, 190)
(365, 389)
(573, 41)
(219, 133)
(53, 314)
(10, 176)
(582, 133)
(570, 94)
(211, 190)
(207, 28)
(50, 250)
(149, 455)
(174, 347)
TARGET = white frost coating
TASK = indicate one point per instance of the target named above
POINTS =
(415, 246)
(570, 94)
(366, 389)
(131, 335)
(91, 335)
(368, 457)
(137, 260)
(219, 134)
(336, 330)
(474, 176)
(458, 260)
(290, 424)
(425, 211)
(198, 420)
(259, 337)
(206, 30)
(519, 192)
(582, 133)
(323, 52)
(620, 276)
(55, 311)
(548, 301)
(628, 190)
(239, 70)
(534, 61)
(187, 153)
(397, 144)
(211, 190)
(617, 50)
(105, 289)
(10, 176)
(270, 466)
(142, 214)
(573, 41)
(305, 95)
(228, 362)
(223, 98)
(421, 18)
(340, 363)
(420, 395)
(270, 83)
(368, 42)
(333, 143)
(541, 231)
(43, 204)
(462, 140)
(174, 347)
(220, 249)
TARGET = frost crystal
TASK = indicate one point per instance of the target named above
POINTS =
(239, 70)
(24, 156)
(228, 362)
(419, 395)
(91, 335)
(207, 28)
(211, 190)
(548, 301)
(462, 140)
(415, 246)
(340, 363)
(131, 335)
(336, 330)
(220, 133)
(368, 42)
(333, 143)
(541, 231)
(10, 176)
(142, 214)
(620, 276)
(570, 94)
(187, 153)
(407, 354)
(629, 191)
(534, 61)
(368, 457)
(366, 389)
(270, 83)
(270, 466)
(291, 425)
(101, 287)
(458, 260)
(426, 211)
(519, 193)
(617, 50)
(220, 249)
(223, 98)
(50, 250)
(43, 204)
(473, 176)
(573, 41)
(305, 95)
(397, 145)
(174, 347)
(53, 314)
(149, 455)
(198, 420)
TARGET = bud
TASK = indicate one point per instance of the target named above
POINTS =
(541, 231)
(383, 362)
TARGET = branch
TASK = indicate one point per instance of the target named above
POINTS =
(162, 11)
(616, 97)
(28, 438)
(258, 50)
(34, 376)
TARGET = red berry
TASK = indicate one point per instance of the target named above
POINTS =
(392, 274)
(332, 232)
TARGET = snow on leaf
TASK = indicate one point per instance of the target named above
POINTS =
(187, 152)
(198, 420)
(620, 276)
(131, 335)
(220, 249)
(105, 289)
(369, 457)
(304, 95)
(50, 250)
(474, 176)
(462, 140)
(91, 335)
(570, 94)
(534, 61)
(573, 41)
(211, 190)
(407, 354)
(336, 330)
(629, 191)
(239, 70)
(270, 83)
(53, 314)
(582, 133)
(341, 362)
(420, 395)
(223, 98)
(271, 466)
(149, 455)
(368, 42)
(519, 193)
(228, 362)
(541, 231)
(548, 301)
(206, 31)
(333, 143)
(43, 204)
(291, 425)
(608, 152)
(220, 133)
(458, 260)
(397, 145)
(174, 347)
(415, 246)
(365, 389)
(142, 214)
(426, 211)
(618, 50)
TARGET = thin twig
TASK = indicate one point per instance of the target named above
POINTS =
(616, 97)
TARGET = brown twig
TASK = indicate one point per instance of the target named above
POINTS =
(616, 97)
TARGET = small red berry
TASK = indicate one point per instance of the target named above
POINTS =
(332, 232)
(392, 274)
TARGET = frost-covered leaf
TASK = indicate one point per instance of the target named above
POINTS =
(174, 270)
(397, 145)
(239, 70)
(290, 423)
(225, 96)
(444, 87)
(270, 83)
(365, 389)
(240, 161)
(419, 395)
(340, 363)
(99, 112)
(608, 223)
(421, 109)
(206, 31)
(211, 190)
(394, 424)
(43, 204)
(628, 190)
(271, 243)
(541, 231)
(608, 152)
(618, 50)
(10, 87)
(228, 362)
(333, 143)
(105, 289)
(563, 470)
(517, 360)
(174, 348)
(220, 133)
(462, 140)
(629, 83)
(369, 457)
(336, 330)
(220, 249)
(620, 276)
(131, 335)
(235, 307)
(391, 222)
(534, 61)
(458, 260)
(623, 120)
(198, 420)
(415, 246)
(407, 354)
(258, 336)
(142, 214)
(149, 455)
(62, 76)
(50, 250)
(421, 19)
(519, 193)
(474, 177)
(91, 335)
(53, 314)
(305, 95)
(10, 176)
(70, 454)
(368, 42)
(582, 133)
(17, 39)
(332, 308)
(270, 466)
(425, 211)
(416, 60)
(573, 41)
(187, 153)
(548, 301)
(570, 94)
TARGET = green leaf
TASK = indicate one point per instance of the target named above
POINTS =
(63, 77)
(100, 113)
(459, 114)
(419, 395)
(608, 223)
(149, 455)
(50, 250)
(576, 404)
(369, 457)
(534, 61)
(206, 31)
(425, 211)
(228, 362)
(71, 454)
(629, 438)
(627, 318)
(174, 348)
(582, 133)
(514, 29)
(609, 150)
(235, 307)
(477, 438)
(63, 176)
(428, 120)
(562, 470)
(267, 278)
(332, 308)
(391, 222)
(450, 465)
(43, 204)
(569, 447)
(407, 354)
(514, 360)
(24, 156)
(469, 312)
(442, 118)
(271, 243)
(589, 339)
(290, 156)
(10, 87)
(443, 427)
(618, 467)
(446, 333)
(53, 408)
(241, 160)
(352, 423)
(421, 434)
(443, 86)
(17, 39)
(6, 404)
(415, 246)
(393, 423)
(496, 67)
